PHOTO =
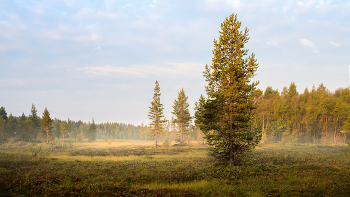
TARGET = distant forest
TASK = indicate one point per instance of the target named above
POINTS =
(27, 128)
(315, 116)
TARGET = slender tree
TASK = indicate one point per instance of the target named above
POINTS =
(64, 132)
(182, 113)
(228, 111)
(142, 132)
(156, 114)
(35, 119)
(3, 134)
(92, 131)
(3, 113)
(46, 133)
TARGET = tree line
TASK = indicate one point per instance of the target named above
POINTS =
(35, 128)
(314, 116)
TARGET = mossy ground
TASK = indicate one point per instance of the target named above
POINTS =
(134, 168)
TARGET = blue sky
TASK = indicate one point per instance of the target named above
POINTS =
(84, 59)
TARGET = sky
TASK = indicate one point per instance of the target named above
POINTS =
(100, 59)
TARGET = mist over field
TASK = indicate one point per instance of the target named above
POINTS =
(185, 98)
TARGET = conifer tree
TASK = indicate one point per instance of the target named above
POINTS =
(3, 134)
(182, 113)
(35, 119)
(46, 127)
(227, 115)
(3, 113)
(156, 114)
(142, 132)
(64, 132)
(57, 127)
(91, 135)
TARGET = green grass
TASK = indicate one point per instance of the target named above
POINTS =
(137, 169)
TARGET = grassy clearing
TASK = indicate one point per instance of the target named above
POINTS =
(137, 169)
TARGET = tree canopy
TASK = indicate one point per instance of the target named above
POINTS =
(226, 115)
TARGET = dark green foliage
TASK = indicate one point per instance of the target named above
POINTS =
(227, 115)
(3, 113)
(35, 123)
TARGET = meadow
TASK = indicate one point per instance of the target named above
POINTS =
(135, 168)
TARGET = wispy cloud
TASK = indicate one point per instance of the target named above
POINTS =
(272, 43)
(307, 43)
(175, 69)
(12, 82)
(334, 43)
(109, 70)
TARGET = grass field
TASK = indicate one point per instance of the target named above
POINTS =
(133, 168)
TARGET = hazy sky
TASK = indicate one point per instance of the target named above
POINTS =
(84, 59)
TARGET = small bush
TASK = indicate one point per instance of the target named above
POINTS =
(35, 150)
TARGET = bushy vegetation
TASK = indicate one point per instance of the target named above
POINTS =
(137, 169)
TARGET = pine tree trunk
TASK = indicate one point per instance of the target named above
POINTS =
(47, 136)
(181, 134)
(232, 156)
(156, 136)
(156, 140)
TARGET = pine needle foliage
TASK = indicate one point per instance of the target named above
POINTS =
(156, 114)
(46, 133)
(182, 113)
(226, 115)
(91, 135)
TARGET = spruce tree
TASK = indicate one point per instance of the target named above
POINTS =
(3, 134)
(182, 114)
(35, 119)
(46, 127)
(3, 113)
(64, 132)
(91, 135)
(156, 114)
(227, 114)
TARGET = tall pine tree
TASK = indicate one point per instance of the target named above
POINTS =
(35, 119)
(46, 127)
(91, 135)
(156, 114)
(182, 113)
(228, 115)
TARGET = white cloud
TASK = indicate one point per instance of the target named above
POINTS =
(83, 12)
(12, 82)
(307, 43)
(316, 51)
(107, 15)
(334, 43)
(109, 3)
(94, 36)
(108, 70)
(306, 4)
(176, 69)
(272, 43)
